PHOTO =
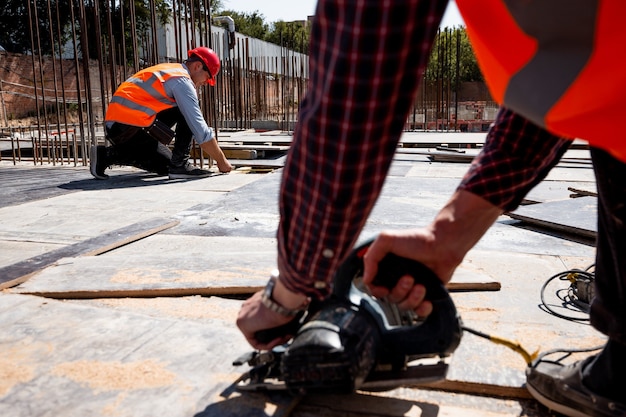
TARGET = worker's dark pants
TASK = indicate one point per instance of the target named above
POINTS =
(134, 146)
(608, 308)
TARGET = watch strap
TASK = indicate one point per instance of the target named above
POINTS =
(268, 301)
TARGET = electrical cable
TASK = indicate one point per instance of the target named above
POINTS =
(580, 291)
(528, 357)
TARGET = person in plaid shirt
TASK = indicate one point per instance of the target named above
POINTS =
(366, 60)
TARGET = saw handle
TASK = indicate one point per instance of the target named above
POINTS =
(393, 267)
(267, 335)
(390, 269)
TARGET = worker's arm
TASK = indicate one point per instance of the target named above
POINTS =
(212, 149)
(186, 96)
(517, 155)
(441, 246)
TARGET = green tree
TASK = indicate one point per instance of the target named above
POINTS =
(452, 58)
(249, 24)
(292, 35)
(15, 34)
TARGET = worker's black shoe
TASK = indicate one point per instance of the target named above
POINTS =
(98, 162)
(188, 171)
(560, 388)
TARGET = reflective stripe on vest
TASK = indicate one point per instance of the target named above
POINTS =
(137, 100)
(559, 63)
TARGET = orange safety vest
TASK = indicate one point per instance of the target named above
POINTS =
(559, 63)
(137, 100)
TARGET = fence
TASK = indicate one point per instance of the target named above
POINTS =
(53, 101)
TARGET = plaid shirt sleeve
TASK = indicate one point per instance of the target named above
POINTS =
(366, 60)
(517, 155)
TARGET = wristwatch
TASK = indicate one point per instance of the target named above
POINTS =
(267, 301)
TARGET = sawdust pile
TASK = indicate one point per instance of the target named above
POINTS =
(12, 373)
(158, 277)
(16, 364)
(193, 307)
(112, 376)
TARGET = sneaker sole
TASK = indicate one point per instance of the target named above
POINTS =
(93, 163)
(188, 176)
(554, 406)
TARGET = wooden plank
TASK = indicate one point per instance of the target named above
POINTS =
(240, 153)
(19, 272)
(577, 216)
(168, 265)
(239, 290)
(579, 193)
(260, 163)
(258, 147)
(473, 286)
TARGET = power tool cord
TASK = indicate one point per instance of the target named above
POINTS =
(580, 293)
(515, 346)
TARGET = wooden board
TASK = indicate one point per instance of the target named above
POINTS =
(162, 265)
(258, 147)
(577, 216)
(260, 163)
(240, 153)
(19, 272)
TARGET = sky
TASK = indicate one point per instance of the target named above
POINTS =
(288, 10)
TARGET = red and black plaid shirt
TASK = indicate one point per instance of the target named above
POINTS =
(366, 61)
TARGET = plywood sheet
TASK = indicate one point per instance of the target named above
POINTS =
(577, 216)
(19, 272)
(167, 265)
(74, 359)
(181, 265)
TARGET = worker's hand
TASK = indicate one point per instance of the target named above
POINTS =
(224, 166)
(414, 244)
(254, 316)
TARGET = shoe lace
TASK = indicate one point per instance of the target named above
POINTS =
(563, 354)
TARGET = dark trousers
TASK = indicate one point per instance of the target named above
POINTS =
(132, 145)
(608, 308)
(607, 373)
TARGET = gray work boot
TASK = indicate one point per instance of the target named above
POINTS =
(188, 171)
(98, 162)
(560, 388)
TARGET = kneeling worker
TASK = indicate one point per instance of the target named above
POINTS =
(144, 110)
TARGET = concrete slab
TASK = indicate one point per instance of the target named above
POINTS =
(113, 362)
(66, 205)
(60, 356)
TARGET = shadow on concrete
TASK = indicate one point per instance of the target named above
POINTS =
(122, 181)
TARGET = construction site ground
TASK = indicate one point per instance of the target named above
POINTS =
(120, 296)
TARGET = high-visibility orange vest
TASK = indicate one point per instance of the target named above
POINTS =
(137, 100)
(559, 63)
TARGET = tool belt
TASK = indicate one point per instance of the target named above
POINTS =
(120, 133)
(160, 131)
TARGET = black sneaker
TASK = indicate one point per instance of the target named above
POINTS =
(188, 171)
(98, 162)
(559, 387)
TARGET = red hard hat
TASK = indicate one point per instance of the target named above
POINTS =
(210, 59)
